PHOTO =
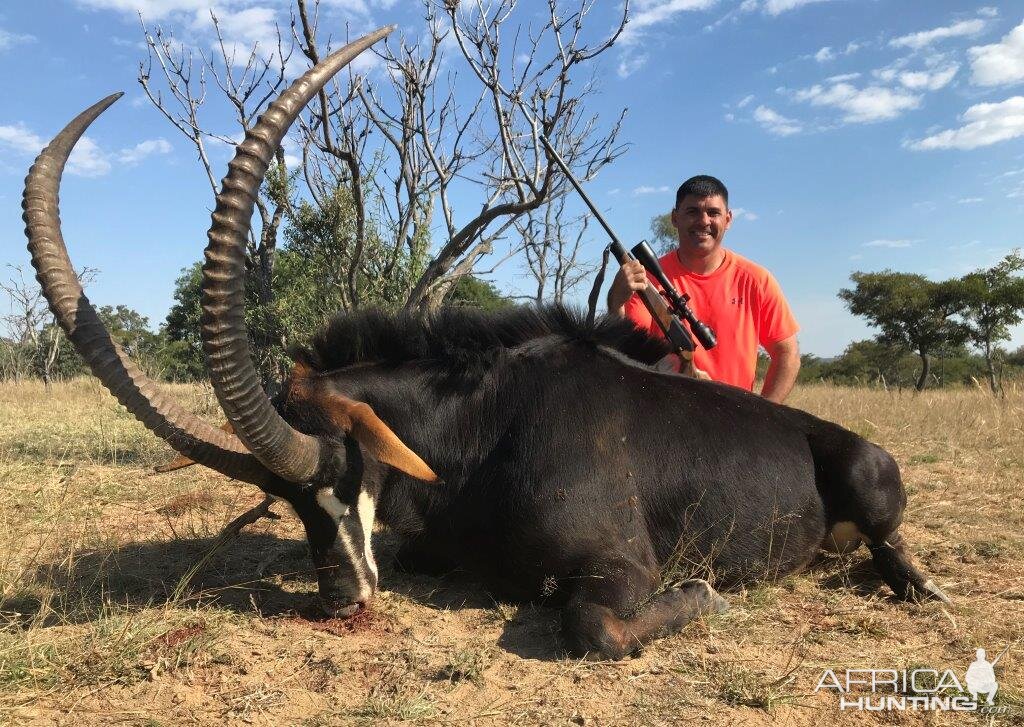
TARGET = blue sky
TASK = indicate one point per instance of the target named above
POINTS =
(852, 134)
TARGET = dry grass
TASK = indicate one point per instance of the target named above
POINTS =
(93, 549)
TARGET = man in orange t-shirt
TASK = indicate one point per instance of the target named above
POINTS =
(740, 300)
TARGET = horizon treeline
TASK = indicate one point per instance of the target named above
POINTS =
(931, 333)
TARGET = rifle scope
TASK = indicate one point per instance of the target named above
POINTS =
(643, 252)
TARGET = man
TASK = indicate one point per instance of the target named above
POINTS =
(740, 300)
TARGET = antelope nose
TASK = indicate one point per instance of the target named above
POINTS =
(348, 611)
(340, 609)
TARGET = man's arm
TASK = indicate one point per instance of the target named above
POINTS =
(631, 278)
(782, 371)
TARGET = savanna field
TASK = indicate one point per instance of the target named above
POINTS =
(116, 608)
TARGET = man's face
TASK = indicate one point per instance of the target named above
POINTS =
(701, 223)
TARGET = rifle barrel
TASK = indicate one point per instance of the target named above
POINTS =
(620, 252)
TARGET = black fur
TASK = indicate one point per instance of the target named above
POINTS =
(464, 337)
(573, 472)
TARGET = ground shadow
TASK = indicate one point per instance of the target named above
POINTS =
(252, 572)
(259, 573)
(534, 633)
(446, 590)
(853, 573)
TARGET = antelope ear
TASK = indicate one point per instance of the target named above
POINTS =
(181, 461)
(357, 419)
(384, 445)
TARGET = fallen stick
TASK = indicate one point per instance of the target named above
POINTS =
(229, 531)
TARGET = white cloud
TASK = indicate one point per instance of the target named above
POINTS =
(983, 124)
(970, 200)
(939, 69)
(637, 191)
(988, 12)
(842, 77)
(777, 7)
(143, 149)
(9, 40)
(292, 152)
(352, 6)
(654, 12)
(830, 53)
(251, 25)
(133, 44)
(775, 123)
(241, 30)
(150, 9)
(862, 105)
(1000, 63)
(889, 243)
(744, 101)
(928, 80)
(628, 65)
(363, 6)
(243, 24)
(739, 213)
(88, 160)
(916, 41)
(20, 139)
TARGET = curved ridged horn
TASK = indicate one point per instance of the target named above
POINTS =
(182, 430)
(292, 455)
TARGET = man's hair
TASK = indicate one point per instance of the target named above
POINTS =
(702, 186)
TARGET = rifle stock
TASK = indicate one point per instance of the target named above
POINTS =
(667, 321)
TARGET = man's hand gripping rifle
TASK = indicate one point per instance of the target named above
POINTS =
(669, 307)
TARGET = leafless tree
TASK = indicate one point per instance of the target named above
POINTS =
(33, 339)
(523, 101)
(400, 142)
(247, 84)
(23, 324)
(551, 244)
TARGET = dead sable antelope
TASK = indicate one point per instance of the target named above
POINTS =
(535, 449)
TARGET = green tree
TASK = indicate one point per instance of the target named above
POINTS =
(994, 300)
(910, 310)
(57, 359)
(313, 278)
(182, 355)
(665, 237)
(131, 329)
(868, 361)
(812, 368)
(476, 293)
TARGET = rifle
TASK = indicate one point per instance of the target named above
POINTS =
(668, 311)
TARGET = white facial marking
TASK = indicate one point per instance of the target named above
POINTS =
(330, 503)
(365, 508)
(334, 507)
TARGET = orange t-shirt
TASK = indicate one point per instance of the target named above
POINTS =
(742, 303)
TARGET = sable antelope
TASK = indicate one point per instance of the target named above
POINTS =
(538, 450)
